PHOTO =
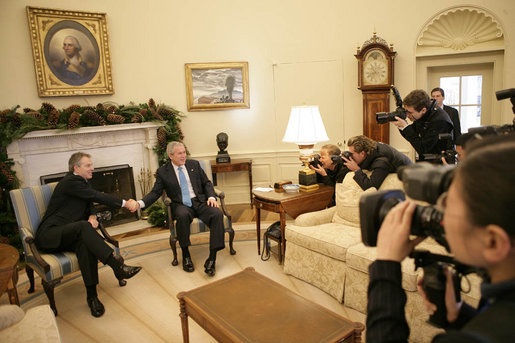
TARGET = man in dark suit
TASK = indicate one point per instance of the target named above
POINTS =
(69, 224)
(439, 95)
(192, 195)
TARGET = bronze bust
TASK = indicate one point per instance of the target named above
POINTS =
(222, 140)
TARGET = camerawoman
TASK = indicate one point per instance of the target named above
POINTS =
(479, 227)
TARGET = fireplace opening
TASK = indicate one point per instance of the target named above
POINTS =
(117, 181)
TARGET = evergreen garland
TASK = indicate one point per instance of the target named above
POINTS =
(14, 125)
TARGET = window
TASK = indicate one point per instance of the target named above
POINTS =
(464, 94)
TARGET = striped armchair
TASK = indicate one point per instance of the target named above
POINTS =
(30, 205)
(198, 225)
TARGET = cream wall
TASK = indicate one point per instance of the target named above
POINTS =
(152, 40)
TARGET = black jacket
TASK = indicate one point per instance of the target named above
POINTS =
(71, 201)
(382, 161)
(423, 133)
(455, 118)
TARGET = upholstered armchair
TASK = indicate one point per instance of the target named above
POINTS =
(30, 205)
(198, 225)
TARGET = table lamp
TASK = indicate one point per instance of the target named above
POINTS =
(305, 128)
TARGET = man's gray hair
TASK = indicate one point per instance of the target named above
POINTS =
(171, 147)
(75, 160)
(75, 41)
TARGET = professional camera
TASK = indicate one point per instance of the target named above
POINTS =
(496, 129)
(426, 182)
(449, 153)
(421, 181)
(335, 158)
(385, 117)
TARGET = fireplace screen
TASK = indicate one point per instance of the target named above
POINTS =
(117, 181)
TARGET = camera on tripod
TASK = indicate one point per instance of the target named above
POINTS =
(385, 117)
(426, 182)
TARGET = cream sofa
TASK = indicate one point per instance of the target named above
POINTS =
(324, 248)
(38, 324)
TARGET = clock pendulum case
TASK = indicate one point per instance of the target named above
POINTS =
(375, 77)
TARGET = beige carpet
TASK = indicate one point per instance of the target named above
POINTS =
(147, 309)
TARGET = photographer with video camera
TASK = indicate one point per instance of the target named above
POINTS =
(329, 167)
(381, 159)
(479, 228)
(429, 121)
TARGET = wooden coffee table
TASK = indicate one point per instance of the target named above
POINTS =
(293, 204)
(249, 307)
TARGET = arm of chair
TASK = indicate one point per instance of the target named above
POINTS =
(107, 236)
(37, 256)
(316, 218)
(221, 195)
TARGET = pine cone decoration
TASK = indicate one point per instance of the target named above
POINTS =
(151, 103)
(165, 112)
(137, 118)
(36, 115)
(72, 108)
(181, 135)
(161, 137)
(6, 171)
(115, 118)
(155, 114)
(53, 118)
(27, 110)
(112, 109)
(100, 107)
(3, 116)
(143, 111)
(16, 119)
(95, 117)
(73, 122)
(49, 108)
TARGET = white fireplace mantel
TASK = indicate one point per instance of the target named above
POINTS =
(46, 152)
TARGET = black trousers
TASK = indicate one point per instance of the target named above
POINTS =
(80, 238)
(211, 216)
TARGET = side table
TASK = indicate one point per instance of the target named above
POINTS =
(292, 204)
(9, 257)
(234, 166)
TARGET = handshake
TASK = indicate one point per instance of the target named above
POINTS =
(132, 205)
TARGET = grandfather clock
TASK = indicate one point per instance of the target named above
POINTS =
(375, 76)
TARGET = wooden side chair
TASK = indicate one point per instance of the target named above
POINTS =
(30, 205)
(198, 225)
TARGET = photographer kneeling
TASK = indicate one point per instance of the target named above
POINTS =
(429, 121)
(381, 159)
(480, 230)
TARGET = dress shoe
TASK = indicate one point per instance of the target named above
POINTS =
(209, 267)
(126, 272)
(96, 307)
(187, 265)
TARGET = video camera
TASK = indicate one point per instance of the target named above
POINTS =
(426, 182)
(449, 153)
(335, 158)
(497, 129)
(385, 117)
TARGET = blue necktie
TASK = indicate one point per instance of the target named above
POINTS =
(186, 198)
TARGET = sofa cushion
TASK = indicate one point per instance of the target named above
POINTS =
(329, 239)
(10, 315)
(347, 198)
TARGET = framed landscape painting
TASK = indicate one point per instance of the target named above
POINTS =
(217, 86)
(71, 52)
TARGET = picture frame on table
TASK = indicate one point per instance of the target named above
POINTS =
(217, 86)
(71, 52)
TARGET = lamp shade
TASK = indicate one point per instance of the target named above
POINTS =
(305, 126)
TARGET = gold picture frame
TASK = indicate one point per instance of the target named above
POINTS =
(71, 52)
(217, 86)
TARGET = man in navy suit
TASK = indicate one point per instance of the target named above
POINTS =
(439, 95)
(70, 224)
(192, 195)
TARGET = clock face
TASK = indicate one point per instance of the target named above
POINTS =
(375, 68)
